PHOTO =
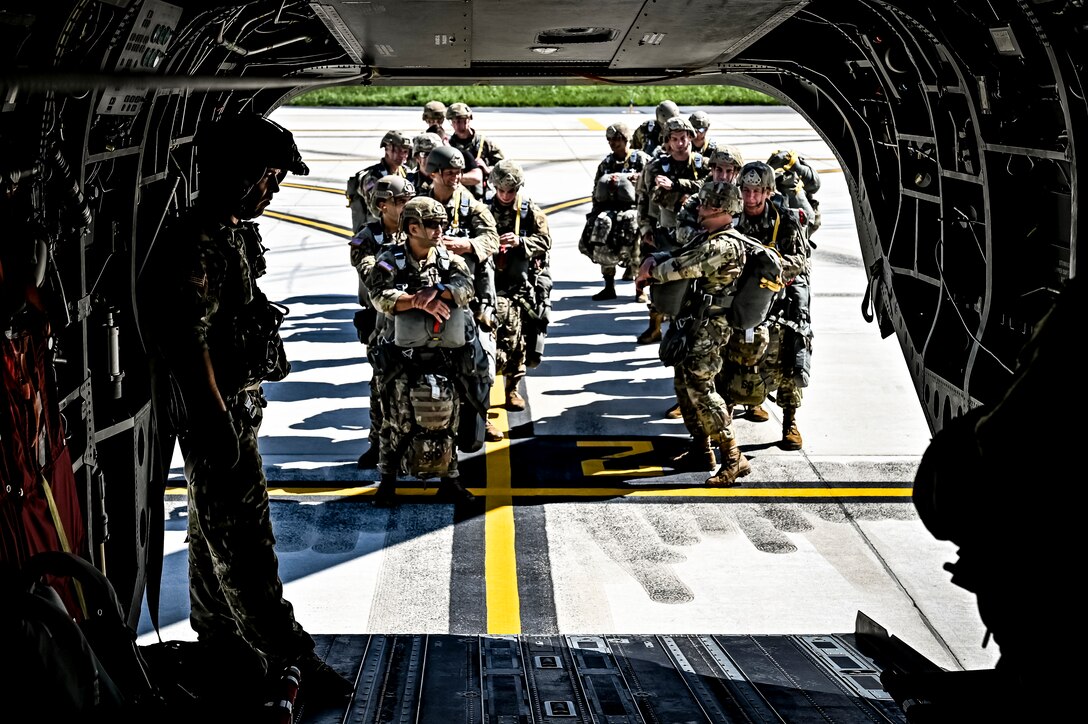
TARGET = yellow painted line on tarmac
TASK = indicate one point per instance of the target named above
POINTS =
(500, 556)
(591, 124)
(311, 187)
(567, 204)
(320, 225)
(698, 491)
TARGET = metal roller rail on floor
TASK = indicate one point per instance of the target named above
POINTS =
(613, 679)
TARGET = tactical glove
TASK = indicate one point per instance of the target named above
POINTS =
(216, 440)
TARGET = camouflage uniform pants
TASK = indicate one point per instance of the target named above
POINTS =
(234, 584)
(374, 436)
(510, 341)
(705, 411)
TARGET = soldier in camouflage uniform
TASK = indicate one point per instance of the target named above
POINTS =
(798, 182)
(700, 121)
(467, 139)
(612, 217)
(422, 145)
(360, 187)
(714, 258)
(522, 276)
(434, 113)
(212, 338)
(664, 187)
(418, 275)
(724, 164)
(649, 137)
(787, 335)
(471, 235)
(391, 194)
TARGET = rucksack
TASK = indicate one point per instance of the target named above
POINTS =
(58, 669)
(760, 283)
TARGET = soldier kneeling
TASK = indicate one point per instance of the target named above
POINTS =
(419, 359)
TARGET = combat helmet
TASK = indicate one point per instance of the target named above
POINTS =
(425, 143)
(507, 175)
(618, 129)
(458, 110)
(677, 123)
(395, 138)
(444, 157)
(699, 120)
(758, 174)
(666, 110)
(392, 186)
(721, 195)
(236, 152)
(434, 111)
(727, 156)
(423, 208)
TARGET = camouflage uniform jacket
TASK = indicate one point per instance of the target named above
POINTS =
(471, 219)
(479, 146)
(360, 188)
(364, 248)
(205, 274)
(397, 273)
(717, 258)
(647, 137)
(780, 228)
(708, 148)
(527, 221)
(657, 207)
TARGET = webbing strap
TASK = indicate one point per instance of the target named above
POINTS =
(62, 536)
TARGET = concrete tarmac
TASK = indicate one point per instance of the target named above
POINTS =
(582, 530)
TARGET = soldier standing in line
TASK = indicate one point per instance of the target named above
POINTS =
(391, 194)
(700, 121)
(471, 235)
(649, 137)
(360, 187)
(724, 164)
(523, 258)
(213, 338)
(664, 187)
(434, 114)
(798, 181)
(465, 138)
(786, 364)
(611, 231)
(422, 145)
(715, 259)
(421, 286)
(472, 176)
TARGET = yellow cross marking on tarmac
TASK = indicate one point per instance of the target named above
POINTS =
(591, 124)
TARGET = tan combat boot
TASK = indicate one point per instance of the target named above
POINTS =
(734, 465)
(514, 400)
(791, 436)
(653, 332)
(698, 456)
(756, 413)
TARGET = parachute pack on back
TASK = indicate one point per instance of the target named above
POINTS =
(760, 283)
(614, 191)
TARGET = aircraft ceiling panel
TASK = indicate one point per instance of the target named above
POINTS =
(407, 33)
(696, 33)
(564, 30)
